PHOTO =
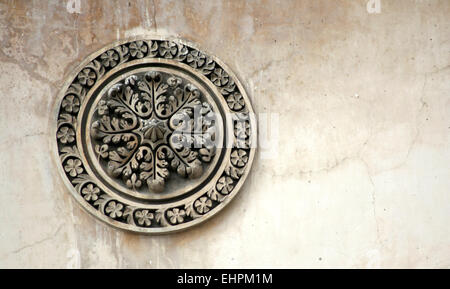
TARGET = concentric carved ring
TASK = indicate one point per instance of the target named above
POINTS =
(154, 135)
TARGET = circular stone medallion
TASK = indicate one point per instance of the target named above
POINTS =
(154, 135)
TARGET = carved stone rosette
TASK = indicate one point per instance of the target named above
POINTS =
(154, 135)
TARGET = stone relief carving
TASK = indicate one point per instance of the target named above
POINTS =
(154, 135)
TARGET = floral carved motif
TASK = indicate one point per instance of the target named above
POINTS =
(154, 135)
(145, 128)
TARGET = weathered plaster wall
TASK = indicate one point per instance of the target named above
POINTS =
(362, 174)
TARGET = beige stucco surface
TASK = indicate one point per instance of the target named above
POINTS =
(360, 176)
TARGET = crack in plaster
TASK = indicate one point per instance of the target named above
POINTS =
(38, 242)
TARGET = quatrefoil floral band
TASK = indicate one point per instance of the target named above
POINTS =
(154, 135)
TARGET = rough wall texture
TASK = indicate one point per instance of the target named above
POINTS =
(361, 177)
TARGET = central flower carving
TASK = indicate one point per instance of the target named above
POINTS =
(154, 129)
(150, 124)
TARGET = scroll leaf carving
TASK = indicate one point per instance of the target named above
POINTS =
(140, 144)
